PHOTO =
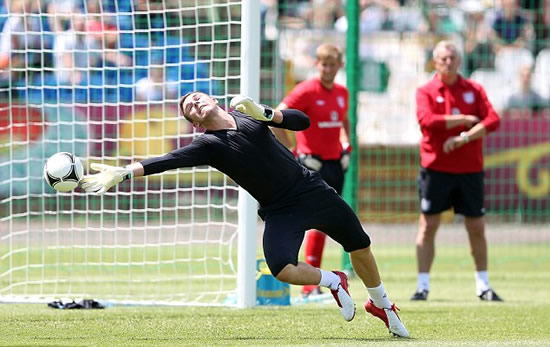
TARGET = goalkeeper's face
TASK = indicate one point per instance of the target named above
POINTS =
(198, 107)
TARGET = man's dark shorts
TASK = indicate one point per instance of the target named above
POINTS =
(320, 209)
(331, 171)
(440, 191)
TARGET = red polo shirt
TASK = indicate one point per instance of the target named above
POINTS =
(434, 100)
(327, 110)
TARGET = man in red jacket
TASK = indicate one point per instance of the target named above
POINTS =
(454, 115)
(323, 147)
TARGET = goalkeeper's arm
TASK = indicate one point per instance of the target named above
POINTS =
(108, 176)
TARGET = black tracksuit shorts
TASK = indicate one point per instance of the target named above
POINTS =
(322, 209)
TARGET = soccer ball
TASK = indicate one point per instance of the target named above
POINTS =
(63, 171)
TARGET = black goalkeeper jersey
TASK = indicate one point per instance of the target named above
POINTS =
(250, 155)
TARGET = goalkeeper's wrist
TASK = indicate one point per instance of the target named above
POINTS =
(268, 113)
(128, 173)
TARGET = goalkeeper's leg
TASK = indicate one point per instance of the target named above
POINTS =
(341, 224)
(283, 236)
(336, 281)
(378, 304)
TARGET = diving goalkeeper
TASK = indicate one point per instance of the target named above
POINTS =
(292, 198)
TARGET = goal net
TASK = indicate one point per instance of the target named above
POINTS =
(101, 79)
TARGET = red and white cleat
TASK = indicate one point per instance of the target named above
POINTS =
(390, 317)
(342, 297)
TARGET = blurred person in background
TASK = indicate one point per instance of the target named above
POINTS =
(454, 115)
(478, 47)
(156, 87)
(441, 18)
(59, 14)
(293, 13)
(324, 13)
(511, 28)
(73, 56)
(21, 44)
(525, 100)
(375, 16)
(103, 35)
(323, 147)
(540, 14)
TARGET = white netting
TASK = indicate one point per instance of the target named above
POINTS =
(101, 80)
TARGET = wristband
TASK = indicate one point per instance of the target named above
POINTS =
(268, 113)
(129, 174)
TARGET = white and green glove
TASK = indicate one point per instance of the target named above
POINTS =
(250, 107)
(311, 161)
(107, 177)
(345, 159)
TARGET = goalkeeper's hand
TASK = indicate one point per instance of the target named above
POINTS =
(107, 177)
(248, 106)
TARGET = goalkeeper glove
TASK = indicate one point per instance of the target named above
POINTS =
(311, 161)
(346, 157)
(107, 177)
(248, 106)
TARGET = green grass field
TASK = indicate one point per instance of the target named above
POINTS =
(453, 316)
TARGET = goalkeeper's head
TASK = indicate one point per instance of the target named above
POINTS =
(198, 108)
(180, 104)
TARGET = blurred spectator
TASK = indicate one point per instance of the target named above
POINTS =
(94, 20)
(265, 7)
(442, 18)
(375, 16)
(111, 55)
(21, 43)
(102, 31)
(525, 98)
(541, 24)
(293, 13)
(156, 87)
(73, 56)
(59, 14)
(324, 13)
(510, 28)
(153, 14)
(478, 48)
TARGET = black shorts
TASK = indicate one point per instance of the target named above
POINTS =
(439, 191)
(322, 209)
(332, 173)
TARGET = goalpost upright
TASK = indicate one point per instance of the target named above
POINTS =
(250, 85)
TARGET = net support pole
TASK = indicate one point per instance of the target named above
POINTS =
(250, 86)
(352, 66)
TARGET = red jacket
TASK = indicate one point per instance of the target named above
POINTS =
(434, 100)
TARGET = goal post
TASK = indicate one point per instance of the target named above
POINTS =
(250, 70)
(184, 237)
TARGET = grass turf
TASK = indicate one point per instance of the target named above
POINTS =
(453, 315)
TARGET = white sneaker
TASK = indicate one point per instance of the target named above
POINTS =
(389, 317)
(342, 297)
